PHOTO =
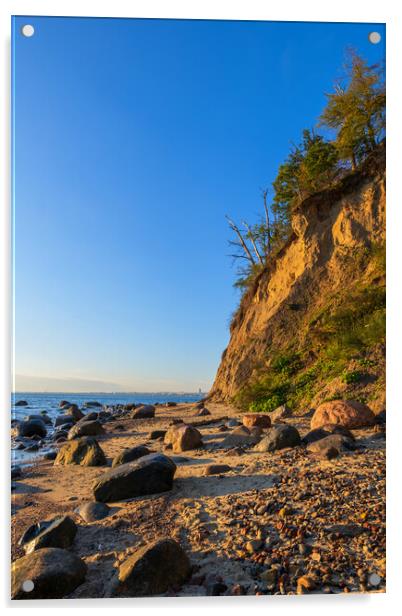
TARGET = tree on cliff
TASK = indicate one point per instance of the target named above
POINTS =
(356, 111)
(309, 167)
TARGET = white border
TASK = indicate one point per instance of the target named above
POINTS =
(286, 10)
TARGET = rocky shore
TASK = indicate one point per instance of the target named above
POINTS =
(199, 499)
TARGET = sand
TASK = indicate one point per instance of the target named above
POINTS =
(217, 518)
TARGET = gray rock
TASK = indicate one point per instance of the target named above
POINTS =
(55, 533)
(64, 420)
(202, 412)
(146, 411)
(92, 416)
(74, 411)
(54, 572)
(338, 441)
(45, 418)
(129, 455)
(282, 412)
(232, 423)
(240, 437)
(152, 570)
(85, 428)
(50, 455)
(148, 475)
(93, 511)
(279, 437)
(33, 427)
(16, 472)
(217, 469)
(21, 403)
(156, 434)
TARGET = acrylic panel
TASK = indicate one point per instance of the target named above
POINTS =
(198, 403)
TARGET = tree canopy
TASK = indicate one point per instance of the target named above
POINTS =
(355, 112)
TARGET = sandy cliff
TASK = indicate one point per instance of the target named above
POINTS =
(335, 234)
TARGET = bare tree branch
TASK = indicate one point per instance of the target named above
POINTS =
(252, 240)
(242, 241)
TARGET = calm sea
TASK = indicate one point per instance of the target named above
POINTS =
(50, 403)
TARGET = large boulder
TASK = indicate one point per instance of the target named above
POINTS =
(54, 572)
(92, 403)
(64, 420)
(182, 437)
(84, 451)
(74, 411)
(129, 455)
(279, 437)
(240, 437)
(148, 475)
(348, 413)
(338, 441)
(93, 511)
(55, 533)
(146, 411)
(91, 416)
(21, 403)
(260, 420)
(153, 569)
(86, 428)
(45, 418)
(326, 430)
(32, 427)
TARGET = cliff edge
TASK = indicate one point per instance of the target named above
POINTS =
(311, 326)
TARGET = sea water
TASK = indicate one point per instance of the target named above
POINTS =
(50, 402)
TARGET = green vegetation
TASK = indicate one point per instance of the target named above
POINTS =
(355, 113)
(345, 329)
(353, 321)
(351, 376)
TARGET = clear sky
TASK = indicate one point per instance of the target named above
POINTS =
(132, 140)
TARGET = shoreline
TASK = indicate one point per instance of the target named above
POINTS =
(233, 526)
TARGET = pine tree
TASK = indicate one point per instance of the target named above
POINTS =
(356, 111)
(309, 167)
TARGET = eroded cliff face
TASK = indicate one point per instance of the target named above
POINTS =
(331, 230)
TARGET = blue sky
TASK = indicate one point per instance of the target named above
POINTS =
(132, 140)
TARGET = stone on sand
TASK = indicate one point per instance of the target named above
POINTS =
(129, 455)
(54, 572)
(252, 420)
(85, 428)
(279, 437)
(54, 533)
(93, 511)
(146, 411)
(153, 569)
(33, 427)
(217, 469)
(182, 437)
(84, 451)
(348, 413)
(148, 475)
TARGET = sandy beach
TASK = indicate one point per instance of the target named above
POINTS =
(257, 528)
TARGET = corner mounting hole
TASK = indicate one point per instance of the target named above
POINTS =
(374, 37)
(28, 586)
(28, 30)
